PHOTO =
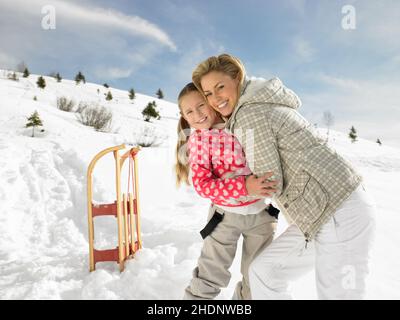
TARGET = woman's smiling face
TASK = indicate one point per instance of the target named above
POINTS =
(197, 112)
(221, 91)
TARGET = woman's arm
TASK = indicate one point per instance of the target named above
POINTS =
(223, 189)
(252, 127)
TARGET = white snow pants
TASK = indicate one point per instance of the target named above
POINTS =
(339, 253)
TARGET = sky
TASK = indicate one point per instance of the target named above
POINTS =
(341, 59)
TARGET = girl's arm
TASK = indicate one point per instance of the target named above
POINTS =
(209, 186)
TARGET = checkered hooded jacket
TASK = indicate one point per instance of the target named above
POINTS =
(313, 179)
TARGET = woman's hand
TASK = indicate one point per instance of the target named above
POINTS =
(261, 186)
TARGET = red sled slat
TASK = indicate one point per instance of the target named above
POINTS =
(105, 255)
(134, 207)
(109, 209)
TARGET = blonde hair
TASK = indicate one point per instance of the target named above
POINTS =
(224, 63)
(182, 163)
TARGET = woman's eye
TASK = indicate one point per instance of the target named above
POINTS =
(221, 86)
(207, 94)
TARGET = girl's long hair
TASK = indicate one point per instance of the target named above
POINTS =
(183, 130)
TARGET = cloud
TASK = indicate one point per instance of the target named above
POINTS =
(298, 6)
(96, 17)
(377, 25)
(7, 61)
(303, 49)
(396, 59)
(342, 83)
(181, 69)
(104, 43)
(372, 106)
(112, 73)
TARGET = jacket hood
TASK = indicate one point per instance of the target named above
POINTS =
(259, 90)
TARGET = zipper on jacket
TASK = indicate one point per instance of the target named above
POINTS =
(307, 236)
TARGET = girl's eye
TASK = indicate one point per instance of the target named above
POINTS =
(221, 86)
(189, 112)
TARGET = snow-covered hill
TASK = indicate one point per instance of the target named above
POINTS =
(43, 218)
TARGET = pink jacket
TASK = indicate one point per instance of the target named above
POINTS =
(219, 167)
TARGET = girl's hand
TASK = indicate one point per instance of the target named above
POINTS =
(261, 186)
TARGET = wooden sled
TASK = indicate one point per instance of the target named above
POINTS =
(125, 208)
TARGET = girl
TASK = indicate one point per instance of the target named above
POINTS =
(219, 172)
(318, 190)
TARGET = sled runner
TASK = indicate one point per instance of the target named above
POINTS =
(125, 208)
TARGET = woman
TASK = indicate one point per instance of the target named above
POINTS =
(320, 193)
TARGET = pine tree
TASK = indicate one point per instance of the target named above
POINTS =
(34, 121)
(160, 94)
(58, 77)
(80, 77)
(41, 82)
(150, 111)
(109, 96)
(132, 94)
(353, 134)
(378, 141)
(26, 73)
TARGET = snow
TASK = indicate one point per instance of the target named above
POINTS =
(43, 208)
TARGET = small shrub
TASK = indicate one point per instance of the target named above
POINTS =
(131, 94)
(13, 76)
(82, 105)
(80, 77)
(41, 82)
(109, 96)
(353, 134)
(94, 116)
(150, 112)
(160, 94)
(34, 121)
(64, 104)
(26, 73)
(148, 137)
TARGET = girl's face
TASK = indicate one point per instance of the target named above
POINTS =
(197, 112)
(221, 91)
